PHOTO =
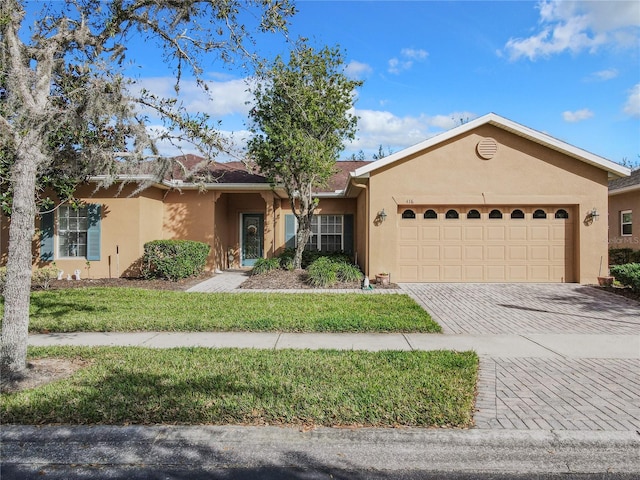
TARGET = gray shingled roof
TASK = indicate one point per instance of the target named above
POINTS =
(626, 182)
(239, 173)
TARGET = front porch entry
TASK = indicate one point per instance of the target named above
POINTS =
(252, 238)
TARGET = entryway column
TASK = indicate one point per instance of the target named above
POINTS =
(269, 247)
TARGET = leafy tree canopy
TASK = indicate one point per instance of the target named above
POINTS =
(303, 114)
(67, 110)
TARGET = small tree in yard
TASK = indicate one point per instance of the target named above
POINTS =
(300, 120)
(67, 110)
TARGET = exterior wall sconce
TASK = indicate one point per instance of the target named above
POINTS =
(382, 215)
(594, 214)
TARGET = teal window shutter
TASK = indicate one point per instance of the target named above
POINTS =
(93, 232)
(348, 234)
(46, 237)
(290, 231)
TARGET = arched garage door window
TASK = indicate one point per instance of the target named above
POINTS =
(494, 214)
(539, 214)
(408, 214)
(517, 213)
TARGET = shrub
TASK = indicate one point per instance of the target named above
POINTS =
(286, 263)
(174, 259)
(622, 256)
(322, 272)
(348, 272)
(42, 277)
(327, 270)
(310, 256)
(3, 278)
(286, 258)
(264, 265)
(628, 274)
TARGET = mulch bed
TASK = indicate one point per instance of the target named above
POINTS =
(296, 279)
(622, 291)
(274, 280)
(149, 284)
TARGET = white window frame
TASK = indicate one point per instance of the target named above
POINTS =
(79, 215)
(315, 241)
(624, 224)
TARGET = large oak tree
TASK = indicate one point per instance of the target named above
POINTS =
(302, 116)
(67, 109)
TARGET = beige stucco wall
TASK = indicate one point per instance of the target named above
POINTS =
(521, 173)
(128, 221)
(618, 203)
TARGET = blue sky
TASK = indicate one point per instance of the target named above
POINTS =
(567, 68)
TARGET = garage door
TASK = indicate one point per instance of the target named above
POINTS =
(485, 244)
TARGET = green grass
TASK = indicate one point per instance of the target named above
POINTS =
(233, 386)
(125, 310)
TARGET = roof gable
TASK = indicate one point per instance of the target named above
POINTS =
(614, 170)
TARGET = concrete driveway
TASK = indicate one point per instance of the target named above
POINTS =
(557, 392)
(526, 308)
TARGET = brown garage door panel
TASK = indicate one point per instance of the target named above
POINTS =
(486, 250)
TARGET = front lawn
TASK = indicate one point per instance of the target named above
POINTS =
(233, 386)
(127, 310)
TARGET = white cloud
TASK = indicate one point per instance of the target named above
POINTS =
(603, 75)
(235, 143)
(406, 60)
(577, 116)
(578, 25)
(380, 127)
(413, 53)
(632, 106)
(357, 69)
(222, 98)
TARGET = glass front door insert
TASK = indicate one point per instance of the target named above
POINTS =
(252, 238)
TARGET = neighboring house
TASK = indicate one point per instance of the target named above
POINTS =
(488, 201)
(624, 212)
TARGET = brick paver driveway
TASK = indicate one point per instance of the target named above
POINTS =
(556, 393)
(526, 308)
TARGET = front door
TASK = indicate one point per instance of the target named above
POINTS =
(252, 238)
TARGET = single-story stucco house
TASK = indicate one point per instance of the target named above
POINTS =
(624, 212)
(488, 201)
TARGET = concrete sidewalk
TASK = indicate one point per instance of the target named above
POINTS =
(498, 346)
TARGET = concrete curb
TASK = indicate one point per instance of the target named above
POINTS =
(28, 449)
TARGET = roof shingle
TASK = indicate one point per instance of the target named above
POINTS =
(625, 182)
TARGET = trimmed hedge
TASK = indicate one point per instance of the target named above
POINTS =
(628, 275)
(174, 259)
(622, 256)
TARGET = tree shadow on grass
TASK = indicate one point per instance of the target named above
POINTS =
(46, 306)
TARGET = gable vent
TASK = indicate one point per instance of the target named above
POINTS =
(487, 148)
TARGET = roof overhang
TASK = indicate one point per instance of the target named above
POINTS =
(180, 185)
(630, 188)
(614, 170)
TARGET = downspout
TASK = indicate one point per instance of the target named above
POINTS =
(366, 236)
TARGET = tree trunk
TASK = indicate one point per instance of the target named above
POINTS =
(15, 323)
(302, 238)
